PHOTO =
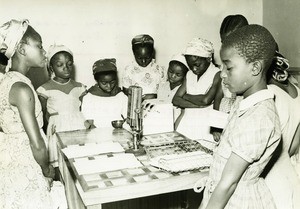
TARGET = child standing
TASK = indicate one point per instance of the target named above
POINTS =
(253, 132)
(176, 73)
(286, 190)
(104, 101)
(143, 72)
(198, 90)
(175, 76)
(24, 161)
(60, 98)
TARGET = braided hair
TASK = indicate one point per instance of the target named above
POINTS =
(253, 43)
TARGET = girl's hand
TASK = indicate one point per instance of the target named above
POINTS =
(48, 171)
(49, 182)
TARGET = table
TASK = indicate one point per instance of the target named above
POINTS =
(92, 190)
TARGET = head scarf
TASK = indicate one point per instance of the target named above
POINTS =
(280, 66)
(142, 39)
(105, 65)
(179, 58)
(11, 34)
(53, 49)
(199, 47)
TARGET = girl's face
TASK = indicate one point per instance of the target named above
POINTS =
(35, 52)
(143, 55)
(107, 82)
(62, 65)
(197, 64)
(176, 73)
(236, 72)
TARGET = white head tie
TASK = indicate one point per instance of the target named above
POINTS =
(11, 34)
(53, 49)
(199, 47)
(179, 58)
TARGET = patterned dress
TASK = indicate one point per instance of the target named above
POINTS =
(253, 133)
(147, 77)
(22, 183)
(64, 110)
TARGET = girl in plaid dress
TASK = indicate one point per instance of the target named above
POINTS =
(253, 132)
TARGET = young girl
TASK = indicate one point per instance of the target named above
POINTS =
(143, 72)
(253, 132)
(286, 190)
(104, 101)
(224, 98)
(198, 90)
(24, 161)
(60, 98)
(176, 73)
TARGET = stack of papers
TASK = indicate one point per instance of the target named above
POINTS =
(89, 149)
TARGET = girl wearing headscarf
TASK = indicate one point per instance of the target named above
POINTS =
(198, 90)
(143, 71)
(61, 98)
(25, 171)
(282, 178)
(104, 101)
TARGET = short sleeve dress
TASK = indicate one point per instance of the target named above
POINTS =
(22, 183)
(64, 110)
(148, 77)
(103, 110)
(253, 133)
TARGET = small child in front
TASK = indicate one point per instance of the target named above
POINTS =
(253, 132)
(60, 98)
(104, 101)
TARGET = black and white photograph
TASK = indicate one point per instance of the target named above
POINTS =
(149, 104)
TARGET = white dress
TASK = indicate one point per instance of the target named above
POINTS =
(103, 110)
(166, 94)
(22, 184)
(64, 110)
(282, 179)
(194, 123)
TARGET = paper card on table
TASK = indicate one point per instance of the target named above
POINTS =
(89, 149)
(217, 118)
(105, 163)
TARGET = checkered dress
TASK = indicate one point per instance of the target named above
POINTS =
(252, 133)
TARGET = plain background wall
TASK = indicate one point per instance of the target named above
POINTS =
(95, 29)
(282, 18)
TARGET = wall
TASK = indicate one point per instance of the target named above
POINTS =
(282, 19)
(98, 29)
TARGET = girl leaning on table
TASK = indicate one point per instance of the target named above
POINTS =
(60, 98)
(105, 100)
(25, 170)
(253, 132)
